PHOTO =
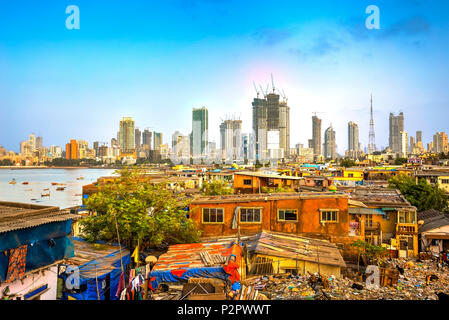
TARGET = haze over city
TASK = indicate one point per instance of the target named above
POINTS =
(77, 84)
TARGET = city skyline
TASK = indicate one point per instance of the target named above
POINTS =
(75, 84)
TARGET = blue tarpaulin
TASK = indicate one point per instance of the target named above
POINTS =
(96, 271)
(157, 277)
(46, 244)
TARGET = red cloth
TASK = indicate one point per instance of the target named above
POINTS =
(17, 262)
(121, 285)
(232, 269)
(178, 272)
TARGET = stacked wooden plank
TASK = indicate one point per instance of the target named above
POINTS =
(212, 259)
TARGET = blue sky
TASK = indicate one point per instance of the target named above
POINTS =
(156, 60)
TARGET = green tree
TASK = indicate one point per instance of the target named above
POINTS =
(347, 163)
(400, 161)
(139, 212)
(422, 195)
(215, 188)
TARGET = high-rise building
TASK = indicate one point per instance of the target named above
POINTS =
(55, 151)
(353, 140)
(404, 144)
(372, 135)
(440, 142)
(137, 137)
(78, 149)
(271, 126)
(412, 144)
(396, 126)
(248, 146)
(231, 139)
(419, 136)
(147, 137)
(127, 139)
(180, 145)
(330, 146)
(199, 141)
(316, 135)
(39, 142)
(157, 140)
(32, 142)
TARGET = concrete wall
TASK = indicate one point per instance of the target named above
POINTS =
(33, 281)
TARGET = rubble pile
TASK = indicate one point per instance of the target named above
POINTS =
(416, 281)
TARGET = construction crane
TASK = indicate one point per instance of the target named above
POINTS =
(264, 92)
(255, 88)
(282, 94)
(272, 82)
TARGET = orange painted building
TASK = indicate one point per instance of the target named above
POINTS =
(253, 182)
(321, 215)
(71, 150)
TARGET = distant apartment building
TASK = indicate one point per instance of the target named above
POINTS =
(180, 146)
(138, 138)
(440, 142)
(199, 139)
(55, 151)
(304, 154)
(157, 140)
(39, 142)
(147, 137)
(78, 149)
(404, 144)
(126, 137)
(231, 139)
(248, 145)
(271, 127)
(395, 128)
(354, 149)
(316, 136)
(330, 145)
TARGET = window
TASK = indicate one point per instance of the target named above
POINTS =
(329, 215)
(213, 215)
(350, 175)
(247, 182)
(287, 215)
(406, 217)
(250, 215)
(445, 181)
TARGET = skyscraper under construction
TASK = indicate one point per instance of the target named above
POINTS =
(271, 126)
(127, 136)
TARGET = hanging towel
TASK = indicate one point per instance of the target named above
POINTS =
(121, 285)
(17, 262)
(234, 224)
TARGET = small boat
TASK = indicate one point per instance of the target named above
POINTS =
(54, 183)
(45, 194)
(46, 189)
(28, 189)
(25, 182)
(60, 188)
(80, 178)
(13, 181)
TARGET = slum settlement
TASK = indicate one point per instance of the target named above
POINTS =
(300, 232)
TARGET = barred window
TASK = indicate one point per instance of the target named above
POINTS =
(288, 215)
(329, 216)
(250, 215)
(247, 182)
(213, 215)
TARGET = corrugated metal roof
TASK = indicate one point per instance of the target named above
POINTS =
(16, 216)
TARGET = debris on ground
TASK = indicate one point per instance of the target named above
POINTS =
(403, 280)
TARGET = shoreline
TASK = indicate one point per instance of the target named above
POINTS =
(42, 167)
